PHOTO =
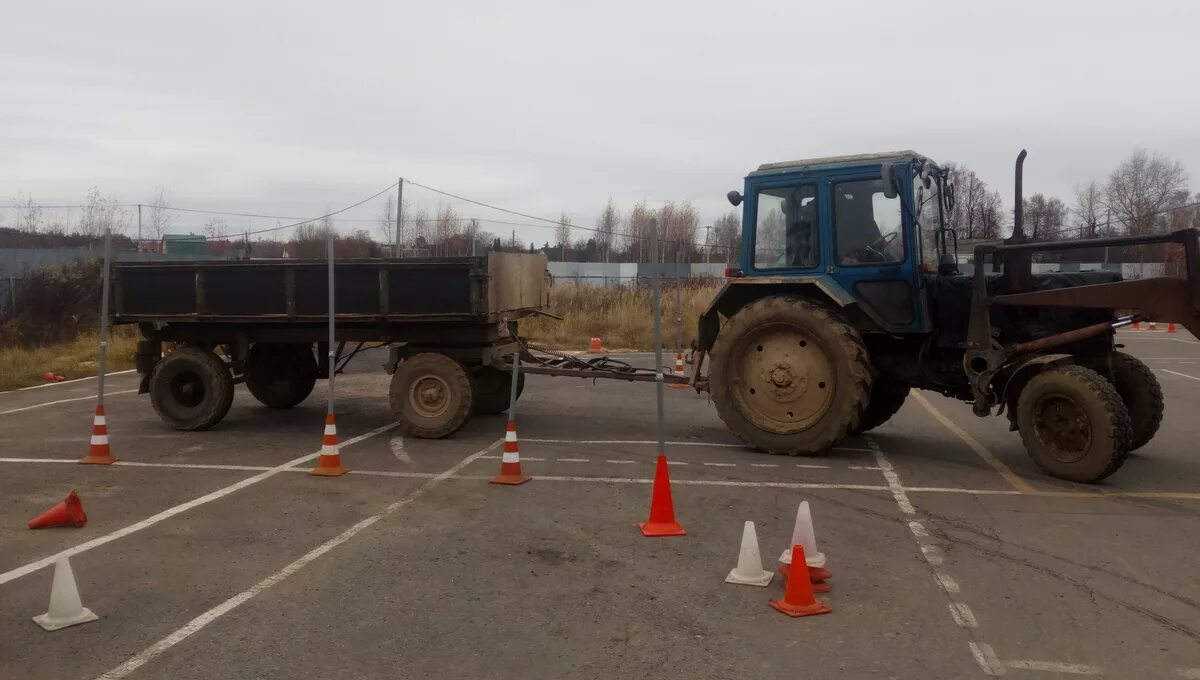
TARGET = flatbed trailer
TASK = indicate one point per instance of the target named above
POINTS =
(448, 323)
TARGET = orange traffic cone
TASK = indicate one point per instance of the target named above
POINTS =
(48, 376)
(816, 576)
(98, 452)
(330, 462)
(594, 346)
(70, 511)
(679, 370)
(1153, 326)
(1136, 326)
(662, 509)
(1171, 327)
(510, 462)
(798, 599)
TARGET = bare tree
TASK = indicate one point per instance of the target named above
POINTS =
(446, 228)
(607, 226)
(637, 230)
(991, 216)
(416, 225)
(726, 237)
(562, 235)
(1143, 186)
(678, 224)
(216, 228)
(102, 213)
(28, 214)
(158, 216)
(1089, 209)
(971, 202)
(387, 220)
(1044, 217)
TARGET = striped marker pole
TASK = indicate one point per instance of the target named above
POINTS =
(98, 452)
(330, 462)
(510, 462)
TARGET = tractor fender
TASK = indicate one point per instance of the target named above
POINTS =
(1020, 373)
(737, 293)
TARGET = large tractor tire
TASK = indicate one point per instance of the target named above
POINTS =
(191, 389)
(887, 396)
(1074, 424)
(279, 375)
(1142, 394)
(493, 389)
(789, 376)
(431, 395)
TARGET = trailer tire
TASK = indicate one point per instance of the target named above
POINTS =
(191, 389)
(789, 376)
(1074, 424)
(280, 375)
(493, 389)
(431, 395)
(887, 396)
(1142, 394)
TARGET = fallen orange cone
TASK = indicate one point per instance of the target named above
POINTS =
(510, 460)
(68, 512)
(798, 599)
(330, 462)
(662, 508)
(98, 452)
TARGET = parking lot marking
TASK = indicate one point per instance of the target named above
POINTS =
(893, 480)
(68, 382)
(986, 657)
(198, 623)
(946, 581)
(646, 442)
(1181, 375)
(1190, 673)
(918, 529)
(396, 443)
(620, 462)
(764, 465)
(963, 615)
(721, 464)
(932, 555)
(1010, 476)
(1055, 667)
(812, 467)
(63, 401)
(175, 510)
(572, 460)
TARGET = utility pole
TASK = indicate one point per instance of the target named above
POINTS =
(139, 226)
(514, 239)
(399, 216)
(707, 247)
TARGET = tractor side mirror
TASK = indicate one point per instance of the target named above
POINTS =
(888, 173)
(735, 198)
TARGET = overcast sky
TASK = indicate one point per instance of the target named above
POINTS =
(286, 108)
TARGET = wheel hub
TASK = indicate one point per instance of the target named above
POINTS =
(430, 396)
(784, 379)
(1063, 427)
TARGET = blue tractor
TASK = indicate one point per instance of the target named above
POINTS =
(850, 293)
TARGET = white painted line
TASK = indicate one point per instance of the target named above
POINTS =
(812, 467)
(1055, 667)
(397, 445)
(932, 555)
(764, 465)
(697, 482)
(946, 582)
(865, 467)
(620, 462)
(851, 448)
(645, 442)
(533, 458)
(40, 460)
(893, 480)
(67, 382)
(986, 657)
(1190, 673)
(918, 529)
(175, 510)
(141, 658)
(962, 615)
(720, 464)
(676, 462)
(572, 460)
(1181, 375)
(63, 401)
(981, 450)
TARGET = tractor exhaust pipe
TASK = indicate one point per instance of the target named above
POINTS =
(1018, 266)
(1019, 201)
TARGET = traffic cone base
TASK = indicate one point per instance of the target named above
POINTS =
(798, 599)
(749, 570)
(329, 464)
(510, 461)
(98, 451)
(66, 609)
(69, 512)
(662, 508)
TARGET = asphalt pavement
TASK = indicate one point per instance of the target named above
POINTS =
(212, 554)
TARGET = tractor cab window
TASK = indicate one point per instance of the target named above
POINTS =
(785, 231)
(867, 224)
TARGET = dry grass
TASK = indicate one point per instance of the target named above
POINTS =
(620, 316)
(24, 366)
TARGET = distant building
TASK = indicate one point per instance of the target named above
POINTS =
(184, 244)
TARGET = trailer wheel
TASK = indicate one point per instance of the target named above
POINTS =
(279, 375)
(789, 376)
(1142, 394)
(493, 389)
(887, 396)
(431, 395)
(1074, 424)
(191, 389)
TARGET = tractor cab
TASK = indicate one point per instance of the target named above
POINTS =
(862, 228)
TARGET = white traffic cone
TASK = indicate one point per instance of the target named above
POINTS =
(803, 534)
(66, 609)
(749, 570)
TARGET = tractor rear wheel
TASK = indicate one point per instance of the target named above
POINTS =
(789, 376)
(1074, 424)
(1142, 394)
(887, 396)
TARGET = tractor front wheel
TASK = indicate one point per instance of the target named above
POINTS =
(1074, 424)
(789, 376)
(1142, 394)
(887, 396)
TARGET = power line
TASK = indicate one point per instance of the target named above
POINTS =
(335, 212)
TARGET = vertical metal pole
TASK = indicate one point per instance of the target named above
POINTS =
(679, 301)
(139, 244)
(399, 216)
(707, 244)
(332, 346)
(656, 301)
(104, 279)
(512, 390)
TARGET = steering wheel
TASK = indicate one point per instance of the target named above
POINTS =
(873, 251)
